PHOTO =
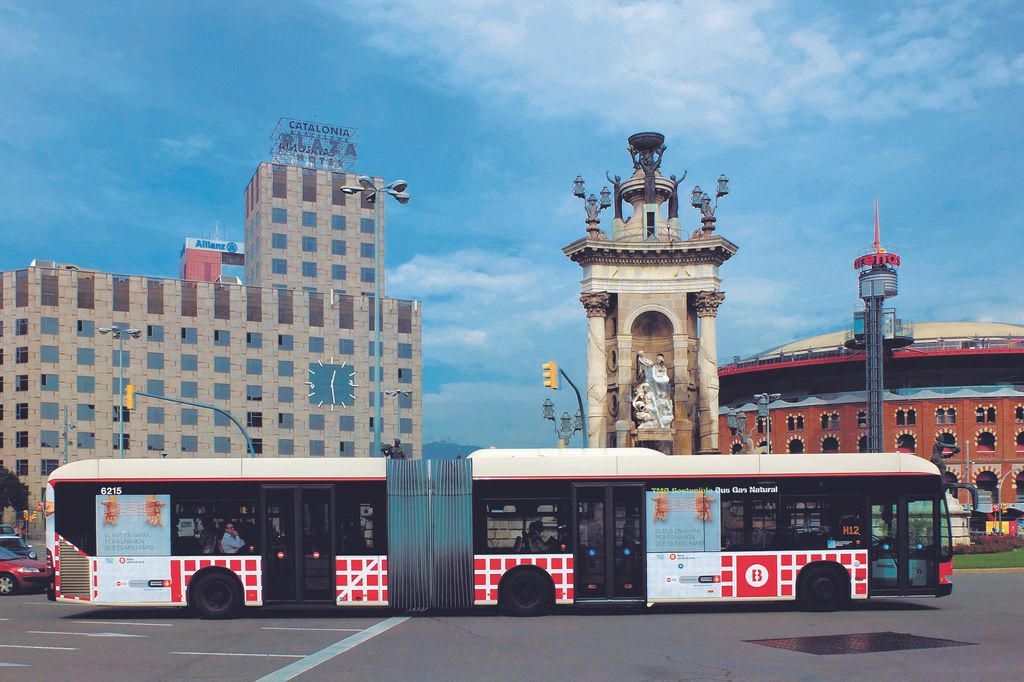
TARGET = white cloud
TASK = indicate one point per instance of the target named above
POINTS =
(185, 148)
(721, 68)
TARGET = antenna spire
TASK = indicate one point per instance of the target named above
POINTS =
(878, 245)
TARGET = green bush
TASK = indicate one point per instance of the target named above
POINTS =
(990, 544)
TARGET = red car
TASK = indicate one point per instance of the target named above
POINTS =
(19, 574)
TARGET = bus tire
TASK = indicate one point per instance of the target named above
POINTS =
(8, 585)
(527, 593)
(215, 595)
(823, 587)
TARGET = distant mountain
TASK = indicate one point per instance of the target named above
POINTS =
(443, 449)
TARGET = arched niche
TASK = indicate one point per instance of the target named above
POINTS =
(652, 333)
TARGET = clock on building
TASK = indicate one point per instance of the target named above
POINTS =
(331, 384)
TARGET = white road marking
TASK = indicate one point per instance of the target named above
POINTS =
(341, 646)
(13, 665)
(38, 603)
(83, 634)
(29, 646)
(316, 629)
(116, 622)
(225, 653)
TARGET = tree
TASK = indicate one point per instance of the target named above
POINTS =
(13, 493)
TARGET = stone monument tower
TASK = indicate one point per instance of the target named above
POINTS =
(651, 291)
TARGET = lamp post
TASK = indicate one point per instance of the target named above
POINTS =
(566, 427)
(119, 333)
(592, 205)
(700, 200)
(764, 402)
(374, 194)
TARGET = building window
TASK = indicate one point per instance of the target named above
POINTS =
(795, 422)
(405, 425)
(189, 363)
(21, 355)
(316, 309)
(285, 420)
(49, 382)
(86, 384)
(222, 445)
(189, 335)
(337, 182)
(21, 439)
(221, 302)
(155, 333)
(154, 297)
(189, 416)
(221, 337)
(49, 354)
(796, 446)
(309, 244)
(906, 443)
(316, 344)
(254, 392)
(338, 247)
(308, 219)
(279, 182)
(338, 221)
(338, 272)
(284, 306)
(316, 422)
(21, 326)
(346, 448)
(254, 420)
(154, 415)
(21, 410)
(309, 184)
(986, 442)
(366, 275)
(49, 325)
(86, 328)
(404, 401)
(189, 299)
(190, 444)
(316, 448)
(366, 250)
(21, 382)
(278, 240)
(985, 415)
(222, 391)
(830, 444)
(122, 299)
(906, 417)
(86, 292)
(1018, 413)
(86, 440)
(285, 368)
(48, 288)
(253, 366)
(285, 447)
(124, 412)
(279, 216)
(404, 317)
(279, 266)
(830, 420)
(308, 269)
(189, 389)
(346, 312)
(366, 225)
(154, 360)
(21, 467)
(257, 446)
(253, 305)
(125, 441)
(405, 351)
(155, 442)
(347, 422)
(285, 342)
(404, 375)
(86, 413)
(253, 340)
(222, 364)
(285, 394)
(155, 386)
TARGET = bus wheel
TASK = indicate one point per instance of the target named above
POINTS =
(823, 588)
(526, 593)
(215, 596)
(7, 584)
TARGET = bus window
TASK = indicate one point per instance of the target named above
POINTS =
(921, 541)
(748, 521)
(359, 518)
(816, 522)
(526, 526)
(945, 532)
(213, 527)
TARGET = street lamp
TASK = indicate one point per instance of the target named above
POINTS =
(566, 426)
(119, 333)
(764, 402)
(700, 200)
(592, 204)
(374, 192)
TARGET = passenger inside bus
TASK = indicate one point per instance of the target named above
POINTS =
(534, 542)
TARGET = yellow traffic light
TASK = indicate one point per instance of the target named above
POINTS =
(129, 397)
(550, 372)
(24, 514)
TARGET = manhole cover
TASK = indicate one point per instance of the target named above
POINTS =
(859, 643)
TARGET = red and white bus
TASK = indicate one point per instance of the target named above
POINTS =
(523, 529)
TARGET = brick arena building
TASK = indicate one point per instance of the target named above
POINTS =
(962, 382)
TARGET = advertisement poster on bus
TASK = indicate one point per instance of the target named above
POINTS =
(133, 525)
(683, 521)
(133, 580)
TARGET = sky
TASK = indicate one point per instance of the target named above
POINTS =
(125, 127)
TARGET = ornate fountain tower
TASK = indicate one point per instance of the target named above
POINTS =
(651, 291)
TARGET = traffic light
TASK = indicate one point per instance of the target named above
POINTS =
(24, 514)
(129, 397)
(550, 372)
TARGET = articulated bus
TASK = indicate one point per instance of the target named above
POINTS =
(521, 529)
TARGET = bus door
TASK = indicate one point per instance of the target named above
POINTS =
(298, 537)
(904, 550)
(609, 556)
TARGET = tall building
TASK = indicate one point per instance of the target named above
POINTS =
(208, 260)
(249, 349)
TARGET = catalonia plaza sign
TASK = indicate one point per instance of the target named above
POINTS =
(313, 144)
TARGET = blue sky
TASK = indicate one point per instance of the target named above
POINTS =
(126, 127)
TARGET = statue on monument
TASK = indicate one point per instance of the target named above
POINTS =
(652, 393)
(673, 199)
(616, 183)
